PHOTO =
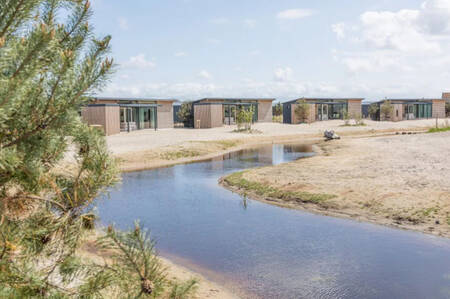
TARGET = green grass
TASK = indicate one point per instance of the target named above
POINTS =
(277, 118)
(237, 180)
(439, 130)
(251, 131)
(175, 155)
(354, 125)
(224, 144)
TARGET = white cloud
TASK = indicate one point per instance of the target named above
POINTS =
(396, 30)
(246, 88)
(283, 74)
(220, 21)
(397, 41)
(180, 54)
(378, 61)
(293, 14)
(419, 30)
(250, 23)
(214, 41)
(435, 16)
(204, 74)
(139, 62)
(123, 23)
(255, 52)
(339, 29)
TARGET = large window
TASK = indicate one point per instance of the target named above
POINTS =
(126, 115)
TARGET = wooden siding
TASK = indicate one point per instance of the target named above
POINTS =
(397, 112)
(438, 109)
(202, 116)
(106, 116)
(165, 115)
(112, 122)
(208, 116)
(354, 108)
(216, 116)
(94, 115)
(264, 111)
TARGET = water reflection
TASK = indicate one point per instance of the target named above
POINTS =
(272, 252)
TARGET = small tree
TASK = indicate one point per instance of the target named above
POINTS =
(346, 117)
(386, 110)
(50, 66)
(302, 111)
(186, 114)
(244, 119)
(373, 110)
(277, 112)
(278, 109)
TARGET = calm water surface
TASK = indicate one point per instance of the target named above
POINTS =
(271, 252)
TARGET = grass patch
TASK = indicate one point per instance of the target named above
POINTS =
(183, 153)
(226, 144)
(237, 180)
(277, 118)
(245, 131)
(223, 144)
(439, 130)
(354, 125)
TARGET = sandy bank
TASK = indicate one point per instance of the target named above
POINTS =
(401, 181)
(149, 149)
(204, 289)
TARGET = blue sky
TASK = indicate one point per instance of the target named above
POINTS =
(188, 49)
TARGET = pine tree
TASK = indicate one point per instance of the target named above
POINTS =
(50, 64)
(302, 110)
(186, 114)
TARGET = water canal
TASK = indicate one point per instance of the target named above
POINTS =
(265, 251)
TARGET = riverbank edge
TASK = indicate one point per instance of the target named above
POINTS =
(325, 210)
(205, 288)
(251, 141)
(314, 139)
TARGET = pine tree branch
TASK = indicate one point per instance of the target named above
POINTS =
(77, 23)
(38, 198)
(11, 19)
(127, 254)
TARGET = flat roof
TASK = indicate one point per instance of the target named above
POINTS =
(236, 99)
(410, 100)
(120, 99)
(324, 99)
(123, 105)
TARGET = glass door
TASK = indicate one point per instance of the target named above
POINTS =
(148, 118)
(127, 117)
(229, 114)
(324, 112)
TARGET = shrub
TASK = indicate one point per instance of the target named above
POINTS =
(244, 118)
(302, 111)
(359, 121)
(277, 109)
(186, 114)
(277, 118)
(373, 110)
(386, 110)
(50, 64)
